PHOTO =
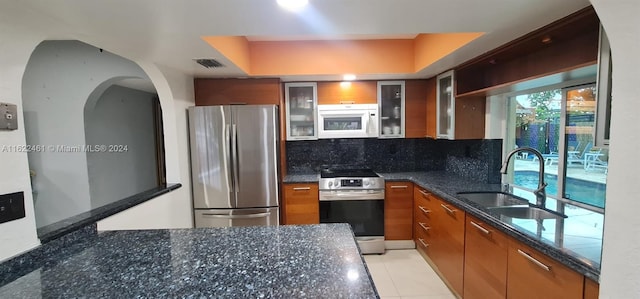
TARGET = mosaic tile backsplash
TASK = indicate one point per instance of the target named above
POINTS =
(474, 159)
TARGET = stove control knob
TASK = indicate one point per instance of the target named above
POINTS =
(330, 184)
(366, 183)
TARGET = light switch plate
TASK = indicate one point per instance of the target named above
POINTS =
(8, 116)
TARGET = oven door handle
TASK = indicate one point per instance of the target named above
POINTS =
(337, 195)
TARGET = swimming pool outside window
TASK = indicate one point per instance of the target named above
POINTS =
(560, 123)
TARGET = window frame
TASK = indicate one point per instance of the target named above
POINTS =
(510, 137)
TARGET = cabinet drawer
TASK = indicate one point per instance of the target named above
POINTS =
(422, 237)
(300, 193)
(531, 274)
(398, 189)
(420, 193)
(300, 203)
(422, 206)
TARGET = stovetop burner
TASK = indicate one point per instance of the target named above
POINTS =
(348, 173)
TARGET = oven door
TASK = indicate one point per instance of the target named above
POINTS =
(362, 209)
(347, 124)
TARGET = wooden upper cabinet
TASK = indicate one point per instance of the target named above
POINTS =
(470, 117)
(563, 45)
(416, 97)
(398, 211)
(237, 91)
(357, 92)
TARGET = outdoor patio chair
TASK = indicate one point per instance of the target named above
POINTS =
(596, 160)
(578, 156)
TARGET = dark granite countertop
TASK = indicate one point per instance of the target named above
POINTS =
(60, 228)
(301, 178)
(309, 261)
(553, 239)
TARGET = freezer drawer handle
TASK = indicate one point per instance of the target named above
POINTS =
(259, 215)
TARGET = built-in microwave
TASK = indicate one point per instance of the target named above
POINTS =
(348, 121)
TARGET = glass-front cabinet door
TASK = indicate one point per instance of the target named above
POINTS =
(301, 100)
(445, 102)
(391, 107)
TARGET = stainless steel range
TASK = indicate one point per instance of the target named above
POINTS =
(355, 196)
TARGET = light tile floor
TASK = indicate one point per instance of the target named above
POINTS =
(405, 274)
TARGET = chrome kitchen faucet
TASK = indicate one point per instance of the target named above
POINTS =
(540, 193)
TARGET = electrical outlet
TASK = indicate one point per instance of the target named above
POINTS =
(11, 206)
(8, 116)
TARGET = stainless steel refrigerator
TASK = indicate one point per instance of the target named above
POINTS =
(234, 165)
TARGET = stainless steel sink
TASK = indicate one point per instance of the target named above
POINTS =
(493, 199)
(525, 212)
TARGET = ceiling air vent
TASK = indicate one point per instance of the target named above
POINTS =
(209, 63)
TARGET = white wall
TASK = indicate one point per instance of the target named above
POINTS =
(621, 249)
(124, 117)
(18, 235)
(172, 210)
(57, 82)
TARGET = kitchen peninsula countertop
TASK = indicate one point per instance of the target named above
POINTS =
(236, 262)
(561, 245)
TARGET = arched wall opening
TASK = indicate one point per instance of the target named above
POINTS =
(95, 133)
(123, 126)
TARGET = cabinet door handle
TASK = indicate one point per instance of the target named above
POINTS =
(480, 228)
(533, 260)
(301, 188)
(424, 226)
(424, 210)
(423, 243)
(399, 187)
(449, 210)
(425, 194)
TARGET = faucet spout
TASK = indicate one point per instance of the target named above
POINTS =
(540, 193)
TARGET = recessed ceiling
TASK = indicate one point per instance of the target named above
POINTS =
(168, 32)
(330, 37)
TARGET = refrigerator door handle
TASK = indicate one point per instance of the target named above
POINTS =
(227, 152)
(258, 215)
(236, 160)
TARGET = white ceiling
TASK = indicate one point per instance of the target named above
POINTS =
(168, 32)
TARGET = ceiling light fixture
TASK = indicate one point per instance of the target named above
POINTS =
(293, 5)
(349, 77)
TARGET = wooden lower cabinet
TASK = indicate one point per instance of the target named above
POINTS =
(485, 261)
(301, 204)
(447, 250)
(477, 261)
(439, 234)
(531, 274)
(591, 289)
(398, 211)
